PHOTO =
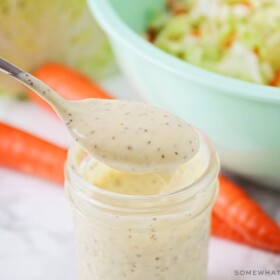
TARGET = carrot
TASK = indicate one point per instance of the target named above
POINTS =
(276, 79)
(24, 152)
(67, 82)
(220, 228)
(229, 41)
(196, 32)
(175, 7)
(256, 51)
(245, 216)
(247, 4)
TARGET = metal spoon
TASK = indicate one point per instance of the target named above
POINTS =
(129, 136)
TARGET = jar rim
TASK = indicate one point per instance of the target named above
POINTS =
(207, 177)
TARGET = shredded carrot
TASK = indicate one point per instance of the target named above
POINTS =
(196, 32)
(256, 51)
(248, 4)
(276, 79)
(229, 41)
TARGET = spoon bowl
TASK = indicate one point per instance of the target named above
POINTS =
(129, 135)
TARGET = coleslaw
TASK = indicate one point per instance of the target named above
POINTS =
(237, 38)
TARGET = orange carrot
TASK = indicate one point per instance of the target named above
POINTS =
(229, 41)
(247, 4)
(220, 228)
(276, 79)
(24, 152)
(67, 82)
(245, 216)
(256, 51)
(196, 32)
(175, 7)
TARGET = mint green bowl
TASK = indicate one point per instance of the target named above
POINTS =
(242, 119)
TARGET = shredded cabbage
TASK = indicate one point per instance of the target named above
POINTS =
(238, 38)
(36, 31)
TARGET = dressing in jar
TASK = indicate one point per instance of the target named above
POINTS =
(142, 226)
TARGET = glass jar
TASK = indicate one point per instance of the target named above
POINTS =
(143, 237)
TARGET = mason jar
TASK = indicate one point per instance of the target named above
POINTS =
(152, 235)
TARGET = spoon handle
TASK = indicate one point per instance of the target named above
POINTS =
(33, 83)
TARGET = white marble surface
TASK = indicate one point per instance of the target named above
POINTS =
(36, 231)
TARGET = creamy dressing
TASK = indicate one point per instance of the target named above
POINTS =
(151, 183)
(166, 244)
(131, 136)
(126, 135)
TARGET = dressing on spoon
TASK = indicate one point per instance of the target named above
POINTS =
(124, 135)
